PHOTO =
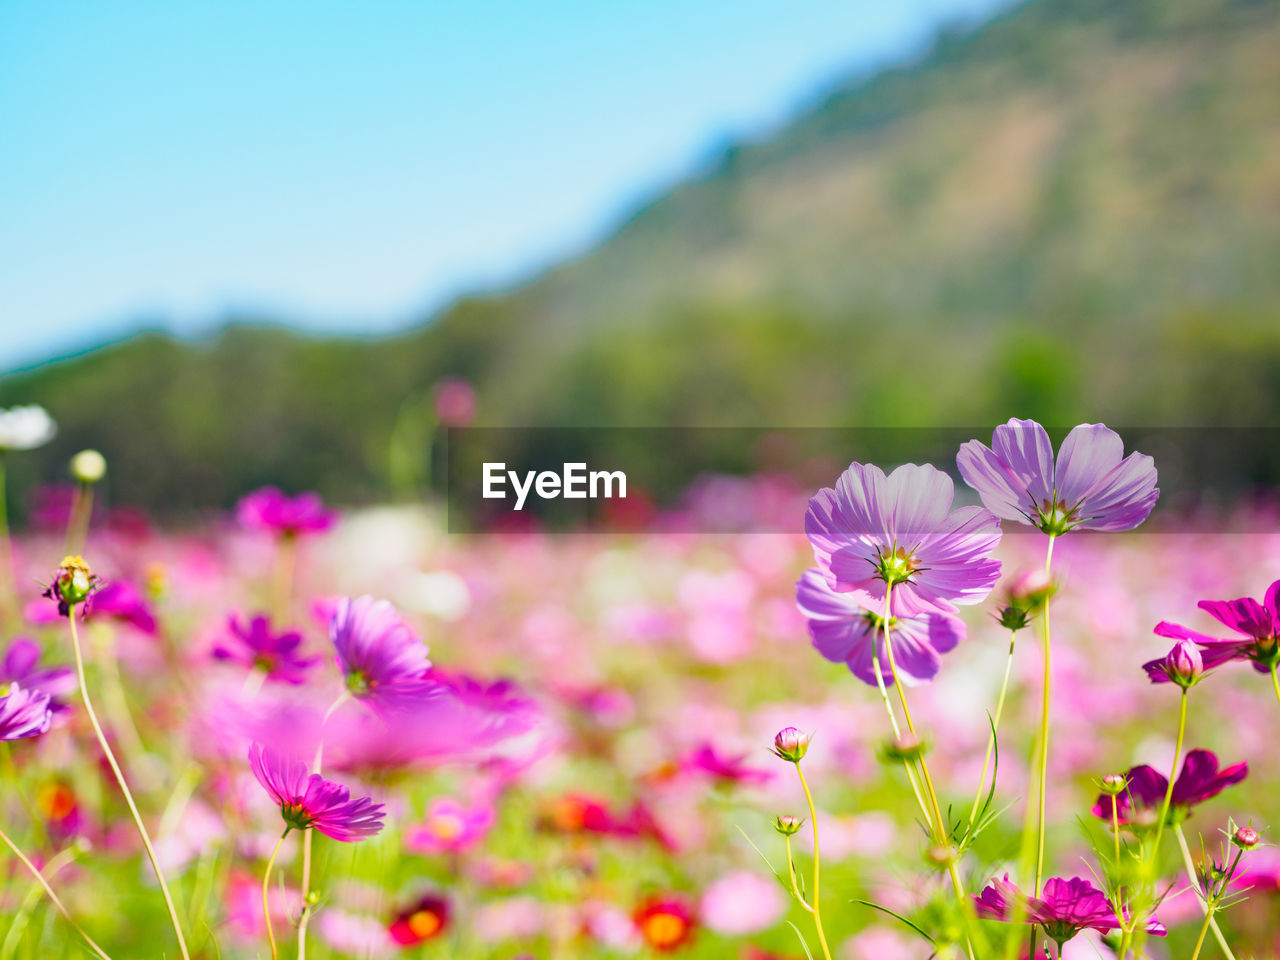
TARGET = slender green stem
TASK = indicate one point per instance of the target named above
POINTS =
(1204, 930)
(1044, 730)
(124, 786)
(1275, 681)
(791, 875)
(1195, 887)
(305, 918)
(53, 897)
(266, 887)
(78, 521)
(817, 867)
(995, 726)
(1173, 774)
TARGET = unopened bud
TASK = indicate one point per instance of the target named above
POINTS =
(940, 856)
(1113, 784)
(1246, 838)
(88, 466)
(904, 748)
(786, 824)
(791, 744)
(1183, 665)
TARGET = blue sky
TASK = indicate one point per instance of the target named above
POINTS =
(349, 166)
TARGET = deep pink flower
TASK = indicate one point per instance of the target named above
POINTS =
(425, 920)
(123, 601)
(706, 760)
(381, 656)
(272, 510)
(1092, 485)
(21, 665)
(455, 401)
(845, 631)
(256, 646)
(1258, 621)
(872, 530)
(309, 800)
(23, 713)
(1064, 908)
(1199, 781)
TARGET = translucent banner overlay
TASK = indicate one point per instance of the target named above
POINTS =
(733, 479)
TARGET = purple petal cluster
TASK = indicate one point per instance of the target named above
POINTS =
(21, 665)
(381, 656)
(873, 531)
(845, 631)
(23, 713)
(309, 800)
(1200, 780)
(1091, 485)
(256, 646)
(274, 511)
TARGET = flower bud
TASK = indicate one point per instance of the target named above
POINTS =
(904, 748)
(791, 744)
(940, 856)
(88, 466)
(1113, 784)
(1030, 589)
(1246, 838)
(1183, 665)
(1013, 618)
(787, 825)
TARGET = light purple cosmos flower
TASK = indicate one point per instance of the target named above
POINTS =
(1064, 908)
(1092, 485)
(21, 665)
(309, 800)
(274, 511)
(381, 657)
(1258, 621)
(23, 713)
(845, 631)
(256, 646)
(1199, 781)
(872, 531)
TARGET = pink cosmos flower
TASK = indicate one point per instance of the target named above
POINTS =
(450, 827)
(256, 646)
(723, 768)
(271, 510)
(309, 800)
(1183, 665)
(871, 531)
(845, 631)
(1065, 908)
(425, 920)
(741, 903)
(123, 601)
(23, 713)
(1199, 781)
(1092, 485)
(1258, 621)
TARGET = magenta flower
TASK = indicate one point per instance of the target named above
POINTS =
(23, 713)
(274, 511)
(455, 401)
(123, 601)
(21, 665)
(1182, 665)
(1092, 485)
(254, 645)
(309, 800)
(381, 657)
(721, 768)
(1141, 800)
(1258, 621)
(873, 531)
(845, 631)
(1064, 908)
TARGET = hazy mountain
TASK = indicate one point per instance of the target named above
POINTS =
(1072, 211)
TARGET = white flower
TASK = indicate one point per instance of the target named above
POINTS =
(88, 466)
(25, 428)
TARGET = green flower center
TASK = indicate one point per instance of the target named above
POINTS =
(358, 683)
(296, 816)
(1056, 518)
(896, 565)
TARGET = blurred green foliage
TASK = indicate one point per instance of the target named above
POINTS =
(1068, 214)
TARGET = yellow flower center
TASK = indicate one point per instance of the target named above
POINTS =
(664, 929)
(424, 923)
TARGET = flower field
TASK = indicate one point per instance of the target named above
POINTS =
(352, 734)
